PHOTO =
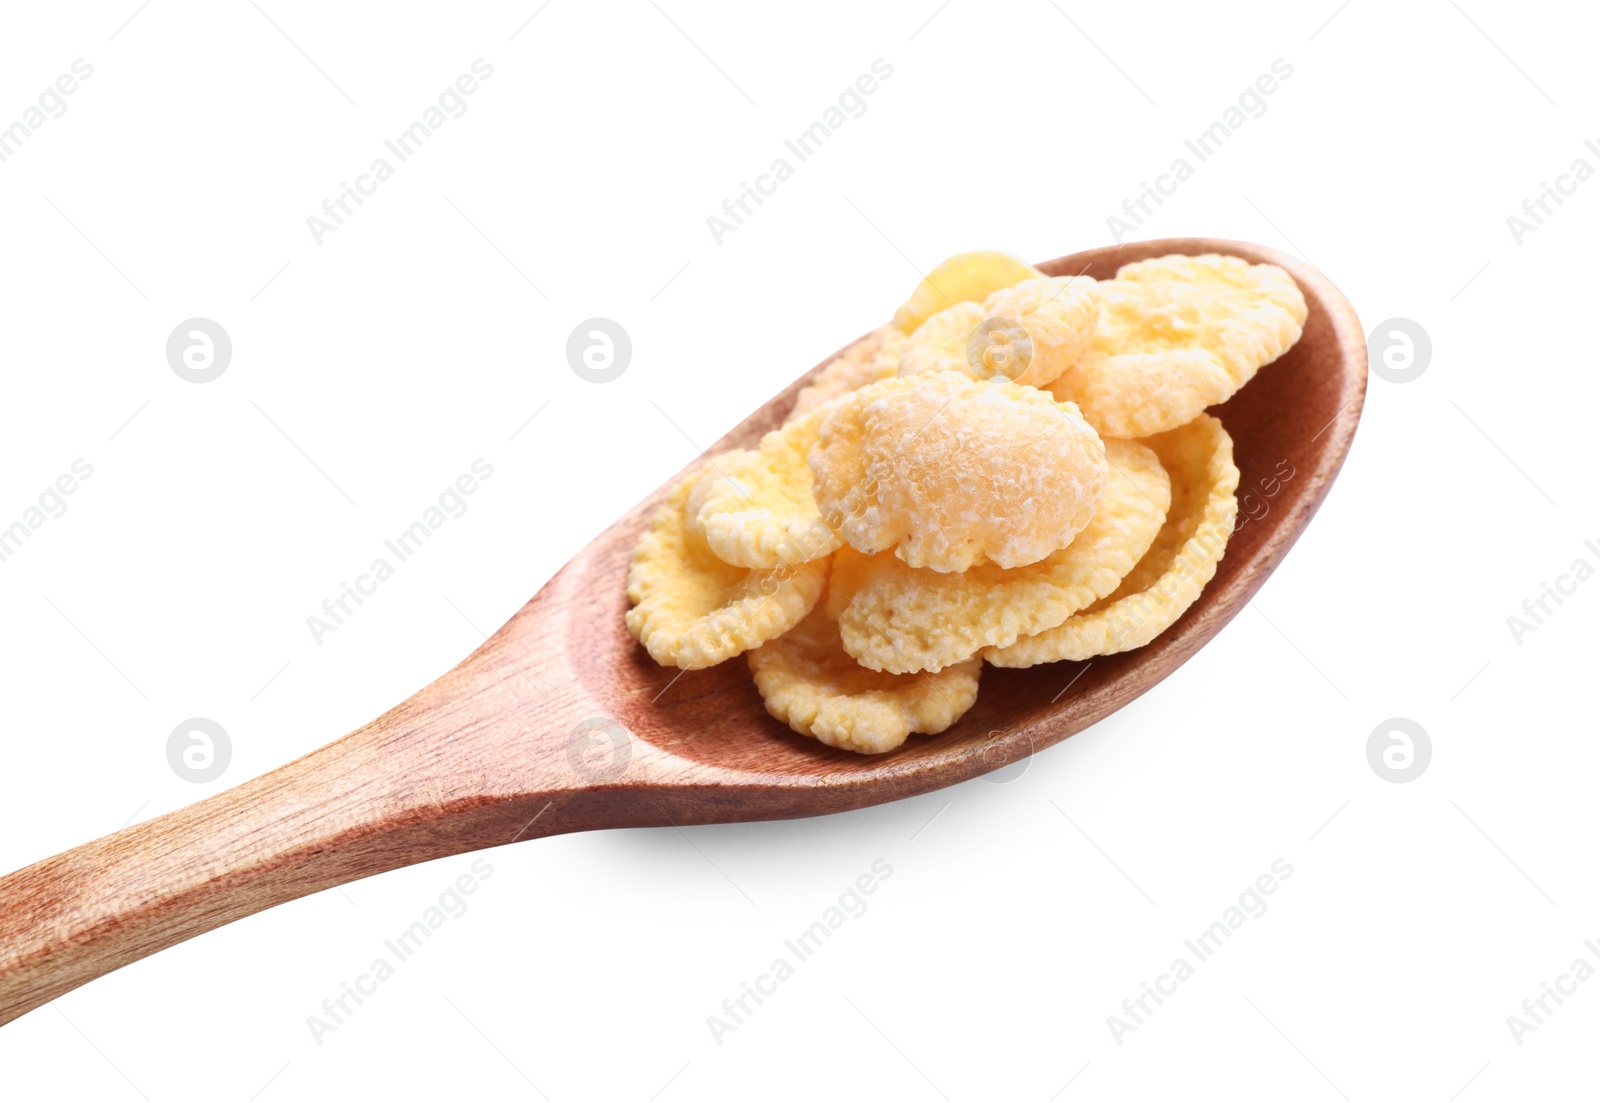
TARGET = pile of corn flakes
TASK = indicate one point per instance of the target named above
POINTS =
(1017, 470)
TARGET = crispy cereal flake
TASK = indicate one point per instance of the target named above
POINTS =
(901, 619)
(756, 509)
(810, 683)
(1055, 318)
(940, 343)
(1184, 557)
(691, 609)
(1029, 333)
(1177, 334)
(965, 277)
(950, 472)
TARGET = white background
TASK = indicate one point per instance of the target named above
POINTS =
(375, 367)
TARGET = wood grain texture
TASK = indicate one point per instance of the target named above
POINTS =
(493, 752)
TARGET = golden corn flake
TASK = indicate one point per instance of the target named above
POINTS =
(965, 277)
(940, 343)
(949, 472)
(1267, 281)
(901, 619)
(1184, 557)
(691, 609)
(1177, 334)
(1029, 333)
(876, 356)
(810, 683)
(1036, 330)
(756, 508)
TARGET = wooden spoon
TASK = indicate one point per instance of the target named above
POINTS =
(560, 722)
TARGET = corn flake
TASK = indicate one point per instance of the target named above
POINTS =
(1029, 333)
(1053, 318)
(691, 609)
(950, 472)
(965, 277)
(1177, 334)
(810, 683)
(940, 343)
(757, 510)
(901, 619)
(1184, 557)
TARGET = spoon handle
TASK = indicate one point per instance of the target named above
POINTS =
(333, 816)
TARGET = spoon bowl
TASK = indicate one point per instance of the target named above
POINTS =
(560, 722)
